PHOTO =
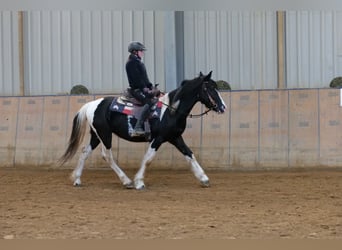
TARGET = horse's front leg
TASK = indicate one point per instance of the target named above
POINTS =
(189, 156)
(148, 157)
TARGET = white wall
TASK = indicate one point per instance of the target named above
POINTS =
(65, 48)
(9, 55)
(314, 48)
(240, 47)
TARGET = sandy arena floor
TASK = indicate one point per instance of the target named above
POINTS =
(37, 204)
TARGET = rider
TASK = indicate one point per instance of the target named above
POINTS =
(140, 85)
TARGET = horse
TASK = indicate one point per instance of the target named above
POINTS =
(168, 126)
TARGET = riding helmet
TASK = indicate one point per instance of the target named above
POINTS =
(136, 46)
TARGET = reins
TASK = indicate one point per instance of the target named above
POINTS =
(200, 115)
(190, 115)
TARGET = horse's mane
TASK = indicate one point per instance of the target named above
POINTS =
(186, 86)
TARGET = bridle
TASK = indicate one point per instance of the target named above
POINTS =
(213, 104)
(204, 88)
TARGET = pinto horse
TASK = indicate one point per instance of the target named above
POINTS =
(167, 127)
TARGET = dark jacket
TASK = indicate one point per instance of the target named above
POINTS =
(136, 73)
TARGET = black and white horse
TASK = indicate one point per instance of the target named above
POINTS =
(168, 126)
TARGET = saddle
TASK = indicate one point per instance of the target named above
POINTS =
(128, 105)
(127, 97)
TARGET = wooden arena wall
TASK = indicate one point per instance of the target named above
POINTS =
(267, 129)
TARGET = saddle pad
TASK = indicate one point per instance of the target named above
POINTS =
(118, 105)
(128, 108)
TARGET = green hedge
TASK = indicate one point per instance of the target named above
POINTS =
(336, 82)
(79, 90)
(223, 85)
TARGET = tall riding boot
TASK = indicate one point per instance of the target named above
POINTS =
(138, 129)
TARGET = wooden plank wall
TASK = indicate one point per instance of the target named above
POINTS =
(268, 129)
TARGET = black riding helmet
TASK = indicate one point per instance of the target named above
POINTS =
(136, 46)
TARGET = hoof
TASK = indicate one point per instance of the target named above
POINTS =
(139, 184)
(142, 188)
(129, 185)
(205, 184)
(77, 182)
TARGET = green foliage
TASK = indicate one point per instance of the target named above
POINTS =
(79, 90)
(223, 85)
(336, 82)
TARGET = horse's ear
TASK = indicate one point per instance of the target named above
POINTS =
(207, 77)
(201, 74)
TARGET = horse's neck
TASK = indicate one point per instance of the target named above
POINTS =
(187, 105)
(184, 104)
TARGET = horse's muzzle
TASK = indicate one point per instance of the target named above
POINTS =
(219, 109)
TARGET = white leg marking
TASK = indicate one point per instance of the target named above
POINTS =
(139, 177)
(198, 171)
(103, 151)
(127, 182)
(76, 174)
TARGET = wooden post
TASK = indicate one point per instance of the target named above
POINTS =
(281, 44)
(21, 52)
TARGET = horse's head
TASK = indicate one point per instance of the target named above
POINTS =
(202, 89)
(209, 95)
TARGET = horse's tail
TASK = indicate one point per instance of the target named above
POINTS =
(79, 126)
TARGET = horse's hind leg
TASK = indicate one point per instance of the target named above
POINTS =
(86, 151)
(108, 157)
(149, 155)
